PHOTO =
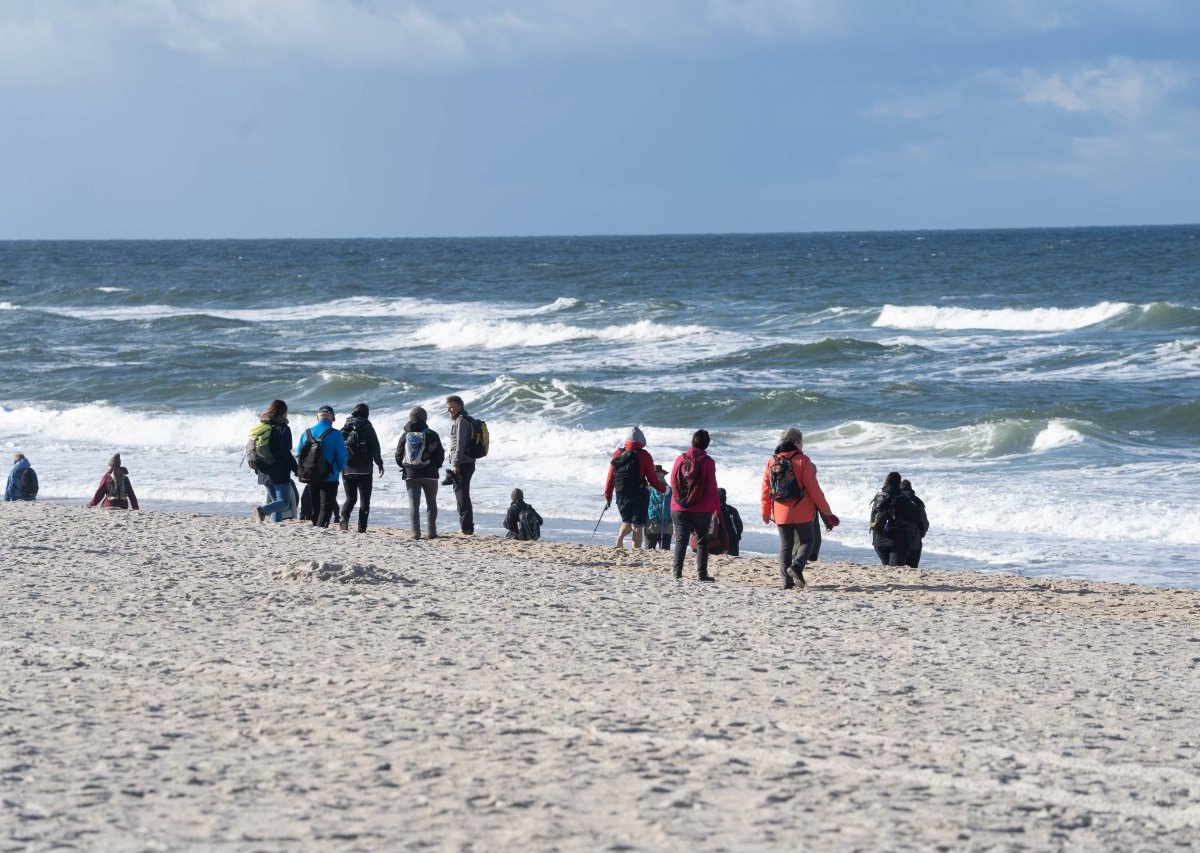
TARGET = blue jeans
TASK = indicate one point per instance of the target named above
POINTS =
(279, 496)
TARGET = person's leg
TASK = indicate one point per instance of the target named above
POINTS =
(787, 537)
(882, 553)
(277, 500)
(637, 536)
(621, 533)
(462, 495)
(700, 523)
(431, 489)
(914, 558)
(366, 484)
(414, 506)
(897, 558)
(351, 484)
(327, 495)
(814, 554)
(678, 527)
(804, 534)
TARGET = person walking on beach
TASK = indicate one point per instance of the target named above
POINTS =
(273, 461)
(462, 465)
(420, 454)
(658, 516)
(362, 449)
(914, 551)
(522, 520)
(895, 522)
(733, 523)
(22, 482)
(631, 475)
(693, 501)
(116, 491)
(323, 464)
(791, 497)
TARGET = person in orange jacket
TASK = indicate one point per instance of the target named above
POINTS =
(791, 497)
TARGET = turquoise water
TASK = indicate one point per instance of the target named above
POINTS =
(1039, 387)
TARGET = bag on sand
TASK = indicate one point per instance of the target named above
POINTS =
(312, 466)
(29, 484)
(258, 447)
(782, 484)
(478, 439)
(529, 525)
(686, 482)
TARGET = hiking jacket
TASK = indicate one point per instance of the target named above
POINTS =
(648, 476)
(733, 522)
(907, 533)
(115, 503)
(512, 519)
(12, 490)
(804, 510)
(659, 509)
(433, 444)
(709, 499)
(280, 471)
(366, 432)
(923, 522)
(460, 437)
(334, 447)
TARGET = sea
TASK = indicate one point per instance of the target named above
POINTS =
(1038, 387)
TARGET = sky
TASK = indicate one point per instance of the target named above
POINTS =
(140, 119)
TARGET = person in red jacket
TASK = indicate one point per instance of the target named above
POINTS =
(116, 491)
(631, 475)
(791, 497)
(693, 501)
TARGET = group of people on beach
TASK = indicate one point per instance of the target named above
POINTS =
(656, 509)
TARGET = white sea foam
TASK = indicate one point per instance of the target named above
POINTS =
(113, 289)
(8, 306)
(486, 334)
(1056, 434)
(1003, 319)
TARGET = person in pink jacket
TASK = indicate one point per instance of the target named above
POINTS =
(115, 492)
(693, 501)
(791, 497)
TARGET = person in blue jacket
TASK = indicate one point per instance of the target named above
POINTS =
(333, 446)
(13, 490)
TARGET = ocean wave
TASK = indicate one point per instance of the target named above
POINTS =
(983, 441)
(8, 306)
(505, 334)
(1172, 360)
(563, 303)
(1002, 319)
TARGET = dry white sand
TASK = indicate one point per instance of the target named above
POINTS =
(170, 681)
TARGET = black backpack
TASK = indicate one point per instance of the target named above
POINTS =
(885, 522)
(627, 471)
(312, 466)
(529, 525)
(118, 487)
(358, 453)
(29, 484)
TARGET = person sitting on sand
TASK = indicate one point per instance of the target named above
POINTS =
(522, 520)
(733, 524)
(693, 501)
(116, 491)
(276, 475)
(22, 482)
(658, 516)
(895, 523)
(914, 552)
(631, 475)
(791, 497)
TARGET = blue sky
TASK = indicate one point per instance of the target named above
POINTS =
(345, 118)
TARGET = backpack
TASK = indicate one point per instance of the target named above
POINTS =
(782, 485)
(312, 466)
(627, 472)
(357, 452)
(885, 522)
(258, 447)
(660, 508)
(529, 525)
(118, 489)
(478, 438)
(29, 484)
(413, 452)
(686, 481)
(718, 533)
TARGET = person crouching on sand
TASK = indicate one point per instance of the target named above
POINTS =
(116, 491)
(791, 497)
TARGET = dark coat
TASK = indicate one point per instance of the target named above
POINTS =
(906, 533)
(433, 446)
(366, 432)
(281, 470)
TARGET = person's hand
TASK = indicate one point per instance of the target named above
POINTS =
(831, 521)
(380, 470)
(607, 503)
(766, 518)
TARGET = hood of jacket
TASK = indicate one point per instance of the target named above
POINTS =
(788, 447)
(20, 465)
(634, 445)
(416, 426)
(354, 422)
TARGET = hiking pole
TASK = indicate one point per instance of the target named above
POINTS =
(597, 527)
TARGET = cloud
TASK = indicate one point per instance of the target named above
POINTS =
(1123, 89)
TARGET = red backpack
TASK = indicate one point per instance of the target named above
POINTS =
(687, 483)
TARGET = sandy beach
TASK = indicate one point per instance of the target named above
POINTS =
(175, 681)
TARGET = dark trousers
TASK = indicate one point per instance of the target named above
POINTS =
(914, 557)
(815, 551)
(429, 488)
(683, 525)
(891, 556)
(324, 502)
(356, 485)
(462, 496)
(659, 538)
(798, 537)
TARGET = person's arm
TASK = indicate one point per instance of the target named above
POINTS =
(812, 489)
(99, 496)
(736, 518)
(437, 452)
(129, 491)
(10, 488)
(646, 461)
(608, 481)
(767, 504)
(510, 518)
(340, 457)
(373, 444)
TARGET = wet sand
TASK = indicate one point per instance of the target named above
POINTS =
(173, 681)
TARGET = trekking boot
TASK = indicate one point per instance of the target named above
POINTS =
(258, 515)
(344, 524)
(797, 574)
(416, 534)
(432, 533)
(679, 574)
(707, 579)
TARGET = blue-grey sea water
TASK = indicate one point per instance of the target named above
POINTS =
(1039, 387)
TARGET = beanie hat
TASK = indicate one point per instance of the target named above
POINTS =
(637, 435)
(418, 414)
(517, 496)
(791, 435)
(115, 462)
